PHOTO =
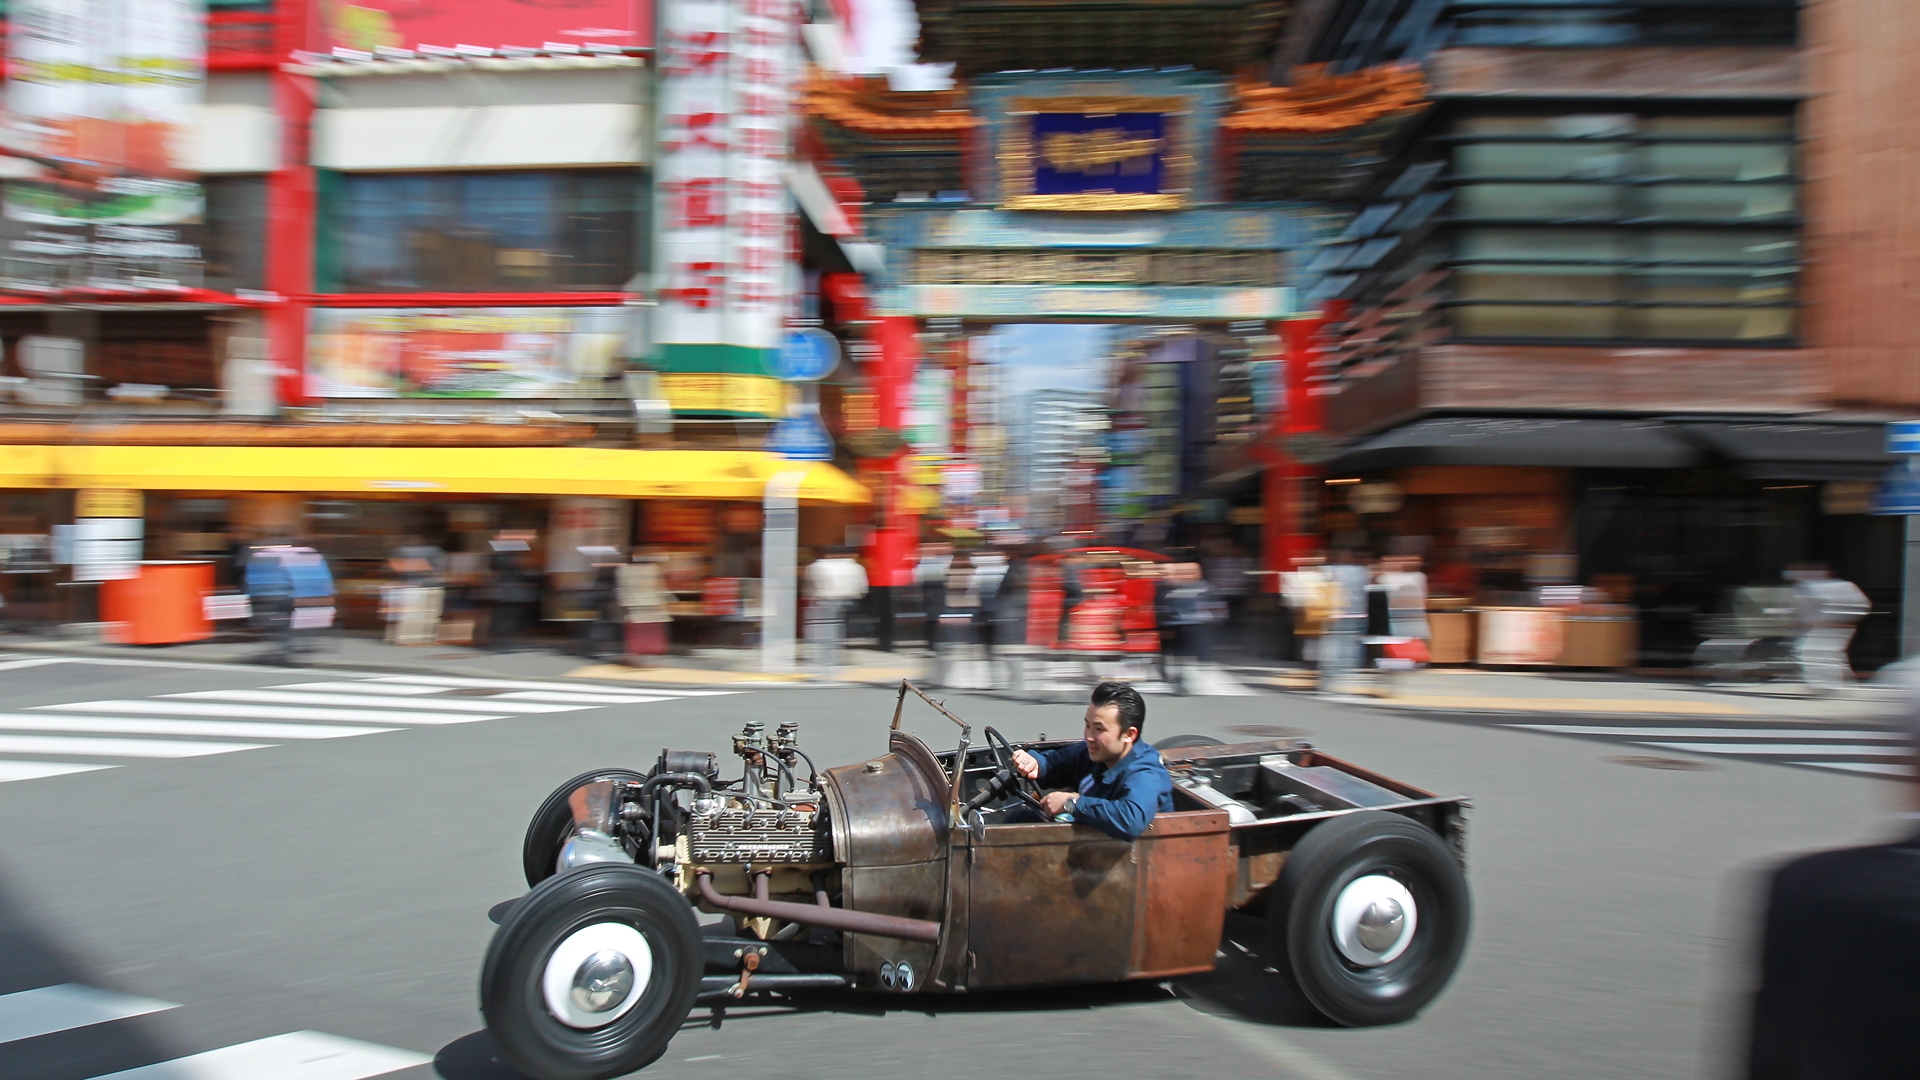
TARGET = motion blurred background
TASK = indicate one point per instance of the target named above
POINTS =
(1598, 307)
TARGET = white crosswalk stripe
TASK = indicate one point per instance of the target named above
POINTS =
(294, 697)
(30, 1014)
(273, 712)
(296, 1055)
(140, 748)
(142, 725)
(201, 723)
(1863, 751)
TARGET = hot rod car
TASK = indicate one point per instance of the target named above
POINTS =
(898, 875)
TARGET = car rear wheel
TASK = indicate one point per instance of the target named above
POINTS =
(552, 824)
(591, 974)
(1369, 917)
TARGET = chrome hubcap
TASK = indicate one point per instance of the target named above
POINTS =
(1374, 920)
(596, 974)
(603, 981)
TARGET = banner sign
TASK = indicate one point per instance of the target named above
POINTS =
(1097, 153)
(465, 352)
(528, 24)
(727, 75)
(102, 93)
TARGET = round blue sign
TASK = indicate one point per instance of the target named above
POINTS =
(806, 355)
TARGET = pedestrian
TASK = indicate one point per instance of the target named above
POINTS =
(1840, 944)
(270, 596)
(834, 583)
(1072, 591)
(1409, 637)
(959, 612)
(1825, 610)
(1340, 647)
(930, 582)
(642, 593)
(414, 602)
(989, 583)
(1194, 609)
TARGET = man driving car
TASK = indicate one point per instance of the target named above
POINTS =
(1114, 782)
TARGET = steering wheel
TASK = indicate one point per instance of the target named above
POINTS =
(1007, 778)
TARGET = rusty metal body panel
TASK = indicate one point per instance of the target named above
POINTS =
(890, 835)
(1182, 866)
(1048, 903)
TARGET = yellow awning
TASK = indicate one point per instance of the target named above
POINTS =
(533, 470)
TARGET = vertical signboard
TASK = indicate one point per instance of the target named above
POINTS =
(727, 77)
(102, 93)
(109, 534)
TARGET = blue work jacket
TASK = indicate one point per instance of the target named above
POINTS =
(1120, 799)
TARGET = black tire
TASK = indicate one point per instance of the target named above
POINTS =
(1300, 917)
(530, 1036)
(1175, 742)
(553, 823)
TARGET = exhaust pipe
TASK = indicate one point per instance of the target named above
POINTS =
(832, 918)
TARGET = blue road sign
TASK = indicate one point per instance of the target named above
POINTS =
(1899, 492)
(801, 438)
(806, 355)
(1903, 437)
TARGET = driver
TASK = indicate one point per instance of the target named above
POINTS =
(1117, 783)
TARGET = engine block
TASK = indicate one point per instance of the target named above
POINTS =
(758, 836)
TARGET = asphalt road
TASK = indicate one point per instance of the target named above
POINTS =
(340, 884)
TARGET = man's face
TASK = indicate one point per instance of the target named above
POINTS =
(1106, 741)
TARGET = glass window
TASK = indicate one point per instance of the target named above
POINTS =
(1717, 202)
(1549, 161)
(486, 232)
(1720, 246)
(235, 243)
(1581, 245)
(1533, 282)
(1718, 161)
(1566, 126)
(1496, 321)
(1548, 201)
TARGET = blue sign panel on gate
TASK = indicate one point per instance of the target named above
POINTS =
(1899, 492)
(801, 438)
(807, 355)
(1903, 437)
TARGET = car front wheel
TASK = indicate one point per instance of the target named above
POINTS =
(591, 974)
(1369, 917)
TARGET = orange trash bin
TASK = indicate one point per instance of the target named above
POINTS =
(164, 605)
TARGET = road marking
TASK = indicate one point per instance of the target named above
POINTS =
(40, 770)
(1877, 768)
(475, 684)
(357, 688)
(271, 712)
(1785, 749)
(137, 725)
(1713, 733)
(1582, 705)
(512, 684)
(39, 661)
(146, 748)
(30, 1014)
(288, 697)
(584, 699)
(298, 1055)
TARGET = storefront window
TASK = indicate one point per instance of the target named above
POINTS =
(555, 231)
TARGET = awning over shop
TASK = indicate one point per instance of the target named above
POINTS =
(533, 470)
(1579, 443)
(1783, 450)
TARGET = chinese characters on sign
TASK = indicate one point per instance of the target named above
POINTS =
(726, 79)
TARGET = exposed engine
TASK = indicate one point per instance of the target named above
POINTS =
(766, 819)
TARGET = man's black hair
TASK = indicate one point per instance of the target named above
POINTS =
(1132, 707)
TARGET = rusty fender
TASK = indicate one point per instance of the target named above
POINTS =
(832, 918)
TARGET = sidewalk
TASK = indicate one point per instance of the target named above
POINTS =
(1585, 694)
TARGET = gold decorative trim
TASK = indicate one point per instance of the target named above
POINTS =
(1017, 152)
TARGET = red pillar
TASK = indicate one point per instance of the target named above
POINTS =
(291, 206)
(896, 539)
(1290, 491)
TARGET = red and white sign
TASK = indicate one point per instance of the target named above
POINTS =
(489, 24)
(728, 69)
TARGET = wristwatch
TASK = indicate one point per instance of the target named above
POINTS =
(1072, 804)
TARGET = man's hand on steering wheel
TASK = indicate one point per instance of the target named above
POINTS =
(1019, 780)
